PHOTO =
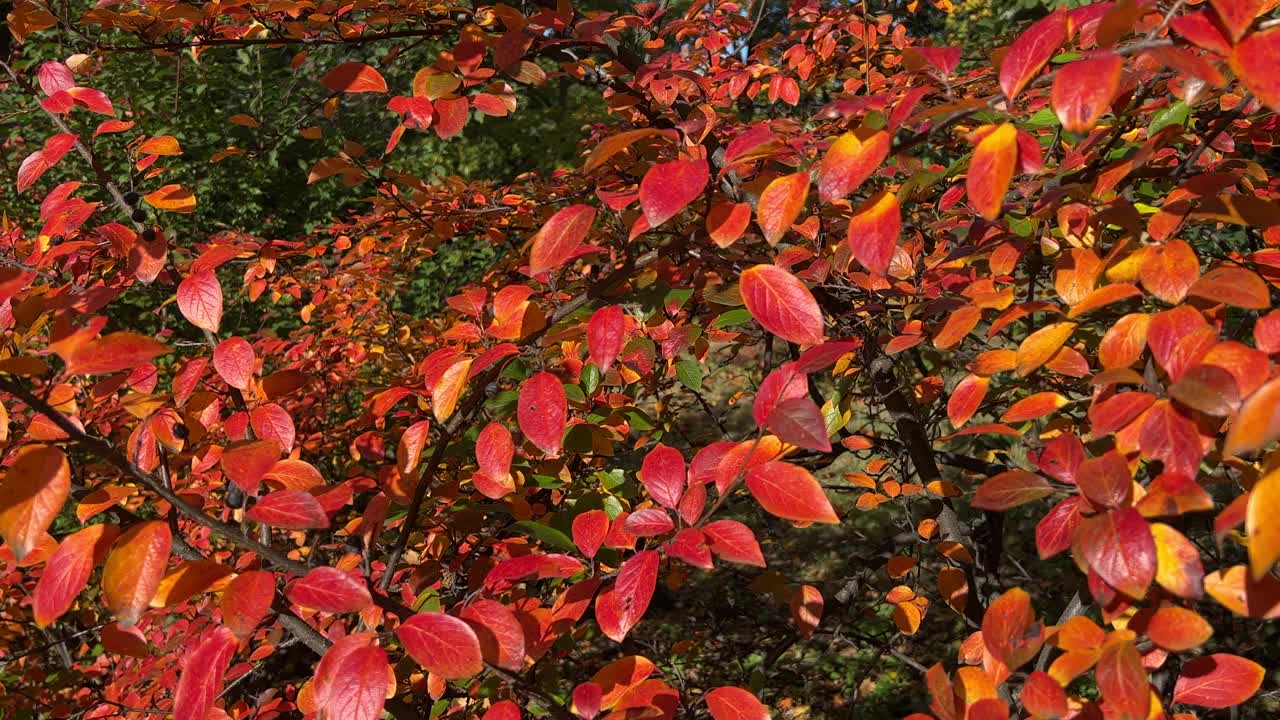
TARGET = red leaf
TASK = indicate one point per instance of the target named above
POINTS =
(200, 300)
(503, 710)
(1042, 696)
(354, 77)
(134, 570)
(559, 239)
(782, 304)
(1218, 681)
(1083, 90)
(203, 669)
(67, 571)
(498, 631)
(734, 703)
(451, 117)
(543, 411)
(246, 601)
(39, 162)
(731, 540)
(290, 510)
(663, 474)
(621, 605)
(1106, 480)
(351, 680)
(1237, 15)
(966, 398)
(780, 205)
(494, 452)
(442, 644)
(32, 493)
(1254, 61)
(272, 422)
(234, 360)
(790, 492)
(248, 463)
(329, 589)
(586, 700)
(1057, 529)
(1031, 51)
(649, 522)
(1010, 489)
(606, 333)
(589, 530)
(785, 383)
(800, 422)
(690, 545)
(667, 188)
(1119, 547)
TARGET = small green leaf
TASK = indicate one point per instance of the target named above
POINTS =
(689, 373)
(589, 379)
(737, 316)
(546, 534)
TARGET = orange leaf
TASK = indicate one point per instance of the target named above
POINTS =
(874, 230)
(1033, 407)
(734, 703)
(965, 399)
(1010, 489)
(160, 145)
(780, 205)
(852, 158)
(67, 572)
(991, 170)
(1041, 345)
(174, 198)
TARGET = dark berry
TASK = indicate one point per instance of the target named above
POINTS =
(138, 215)
(149, 235)
(235, 496)
(180, 431)
(131, 198)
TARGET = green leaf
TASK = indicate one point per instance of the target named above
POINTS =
(689, 373)
(1175, 114)
(638, 419)
(1044, 117)
(502, 404)
(574, 394)
(545, 534)
(737, 316)
(611, 479)
(589, 379)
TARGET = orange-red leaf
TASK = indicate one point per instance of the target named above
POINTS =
(67, 571)
(852, 158)
(874, 230)
(32, 493)
(113, 353)
(1254, 60)
(352, 680)
(200, 681)
(1040, 346)
(174, 198)
(667, 188)
(1118, 545)
(290, 510)
(734, 703)
(354, 77)
(790, 492)
(991, 170)
(782, 304)
(559, 238)
(134, 570)
(329, 589)
(1083, 90)
(1033, 407)
(1031, 51)
(965, 399)
(442, 644)
(606, 333)
(234, 360)
(1122, 680)
(621, 605)
(1010, 489)
(246, 601)
(1218, 681)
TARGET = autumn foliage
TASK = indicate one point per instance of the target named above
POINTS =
(1002, 314)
